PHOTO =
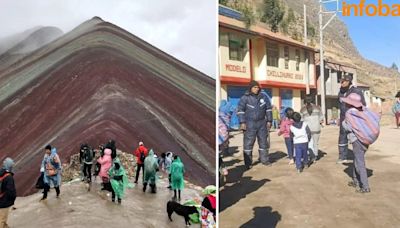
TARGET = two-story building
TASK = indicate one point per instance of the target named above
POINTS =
(283, 66)
(334, 72)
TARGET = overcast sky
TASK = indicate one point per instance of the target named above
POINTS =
(184, 29)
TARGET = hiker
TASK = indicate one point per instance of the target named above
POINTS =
(285, 131)
(8, 192)
(141, 153)
(255, 115)
(105, 164)
(312, 115)
(396, 109)
(362, 126)
(346, 87)
(150, 171)
(177, 171)
(161, 161)
(301, 136)
(52, 171)
(111, 145)
(119, 180)
(168, 163)
(208, 205)
(86, 158)
(275, 117)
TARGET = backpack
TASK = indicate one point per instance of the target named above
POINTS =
(1, 182)
(365, 124)
(88, 156)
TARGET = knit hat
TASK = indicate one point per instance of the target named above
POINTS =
(140, 143)
(253, 83)
(8, 164)
(348, 77)
(308, 99)
(352, 99)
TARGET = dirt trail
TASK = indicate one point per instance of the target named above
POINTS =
(319, 197)
(79, 208)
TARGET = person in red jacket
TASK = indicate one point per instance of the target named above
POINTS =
(141, 153)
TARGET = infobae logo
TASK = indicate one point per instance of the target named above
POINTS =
(379, 8)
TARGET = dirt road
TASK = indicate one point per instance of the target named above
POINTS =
(277, 196)
(79, 208)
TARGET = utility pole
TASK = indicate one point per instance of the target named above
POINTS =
(307, 56)
(322, 26)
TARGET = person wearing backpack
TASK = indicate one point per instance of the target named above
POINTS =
(301, 135)
(362, 126)
(8, 192)
(52, 171)
(141, 153)
(87, 160)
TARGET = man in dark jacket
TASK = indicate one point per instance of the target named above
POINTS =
(255, 116)
(7, 191)
(346, 88)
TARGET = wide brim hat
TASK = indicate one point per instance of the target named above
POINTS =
(352, 99)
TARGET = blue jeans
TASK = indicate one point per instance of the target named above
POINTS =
(275, 124)
(301, 153)
(360, 176)
(289, 147)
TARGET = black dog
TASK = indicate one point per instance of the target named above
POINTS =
(181, 210)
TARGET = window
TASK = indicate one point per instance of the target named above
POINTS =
(237, 48)
(297, 57)
(339, 76)
(286, 55)
(273, 55)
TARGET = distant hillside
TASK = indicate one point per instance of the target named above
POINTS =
(340, 46)
(16, 47)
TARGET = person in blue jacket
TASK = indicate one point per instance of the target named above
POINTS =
(255, 116)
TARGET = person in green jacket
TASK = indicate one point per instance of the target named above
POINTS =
(177, 171)
(150, 171)
(275, 117)
(119, 180)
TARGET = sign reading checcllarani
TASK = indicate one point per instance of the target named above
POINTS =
(371, 8)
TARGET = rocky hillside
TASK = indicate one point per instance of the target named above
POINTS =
(340, 46)
(100, 82)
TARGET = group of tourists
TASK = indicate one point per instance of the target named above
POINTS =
(114, 177)
(301, 130)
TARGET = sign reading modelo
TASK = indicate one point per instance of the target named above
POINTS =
(284, 75)
(235, 68)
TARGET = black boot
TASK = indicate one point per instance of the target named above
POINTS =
(119, 201)
(57, 191)
(144, 187)
(153, 188)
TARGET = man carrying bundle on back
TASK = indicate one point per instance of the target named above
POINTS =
(362, 126)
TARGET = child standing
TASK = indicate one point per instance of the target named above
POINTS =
(301, 136)
(275, 117)
(285, 131)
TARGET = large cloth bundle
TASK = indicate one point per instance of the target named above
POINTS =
(364, 124)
